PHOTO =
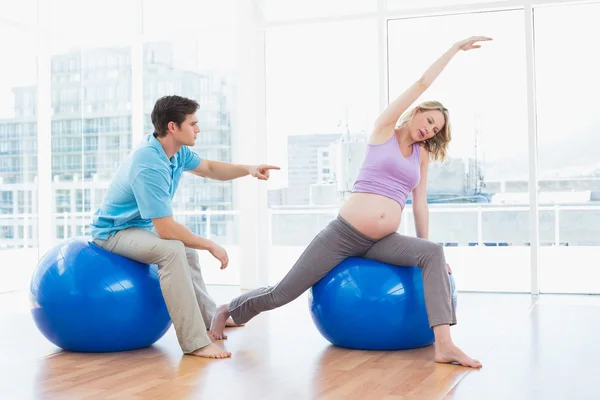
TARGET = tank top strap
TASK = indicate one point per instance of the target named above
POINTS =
(417, 151)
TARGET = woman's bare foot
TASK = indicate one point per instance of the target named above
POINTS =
(219, 322)
(229, 323)
(452, 354)
(211, 351)
(447, 352)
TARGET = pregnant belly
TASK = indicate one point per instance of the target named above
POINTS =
(373, 215)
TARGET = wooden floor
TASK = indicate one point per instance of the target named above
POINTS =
(543, 347)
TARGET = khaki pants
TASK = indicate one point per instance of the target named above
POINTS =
(190, 307)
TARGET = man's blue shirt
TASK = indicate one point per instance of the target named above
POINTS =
(142, 188)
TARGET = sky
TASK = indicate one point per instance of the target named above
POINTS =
(19, 68)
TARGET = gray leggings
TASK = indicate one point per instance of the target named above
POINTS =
(340, 240)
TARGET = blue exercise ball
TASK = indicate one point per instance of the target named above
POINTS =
(368, 305)
(87, 299)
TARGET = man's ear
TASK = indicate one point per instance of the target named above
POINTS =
(171, 126)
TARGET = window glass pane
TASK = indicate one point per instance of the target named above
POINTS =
(568, 124)
(18, 156)
(91, 79)
(478, 198)
(198, 61)
(322, 99)
(22, 12)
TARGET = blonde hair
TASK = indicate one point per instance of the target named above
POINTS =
(437, 146)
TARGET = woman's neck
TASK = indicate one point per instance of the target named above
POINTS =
(404, 138)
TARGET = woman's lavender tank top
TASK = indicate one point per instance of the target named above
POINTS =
(385, 171)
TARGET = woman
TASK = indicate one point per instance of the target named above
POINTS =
(396, 163)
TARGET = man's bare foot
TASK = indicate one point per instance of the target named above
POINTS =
(452, 354)
(219, 321)
(211, 351)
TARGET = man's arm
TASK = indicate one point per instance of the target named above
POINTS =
(223, 171)
(220, 171)
(168, 228)
(150, 187)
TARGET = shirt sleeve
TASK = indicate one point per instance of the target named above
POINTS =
(151, 190)
(190, 159)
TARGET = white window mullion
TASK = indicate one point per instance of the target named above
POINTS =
(137, 79)
(250, 146)
(382, 46)
(534, 226)
(44, 127)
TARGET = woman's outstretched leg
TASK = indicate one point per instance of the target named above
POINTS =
(338, 241)
(396, 249)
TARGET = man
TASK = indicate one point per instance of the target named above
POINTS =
(135, 219)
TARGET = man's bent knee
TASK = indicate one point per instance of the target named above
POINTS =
(173, 247)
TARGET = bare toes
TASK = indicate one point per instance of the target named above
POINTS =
(219, 337)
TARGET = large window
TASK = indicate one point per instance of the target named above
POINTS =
(475, 211)
(568, 125)
(18, 146)
(322, 98)
(87, 74)
(198, 60)
(108, 62)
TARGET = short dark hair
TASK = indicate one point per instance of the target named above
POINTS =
(171, 109)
